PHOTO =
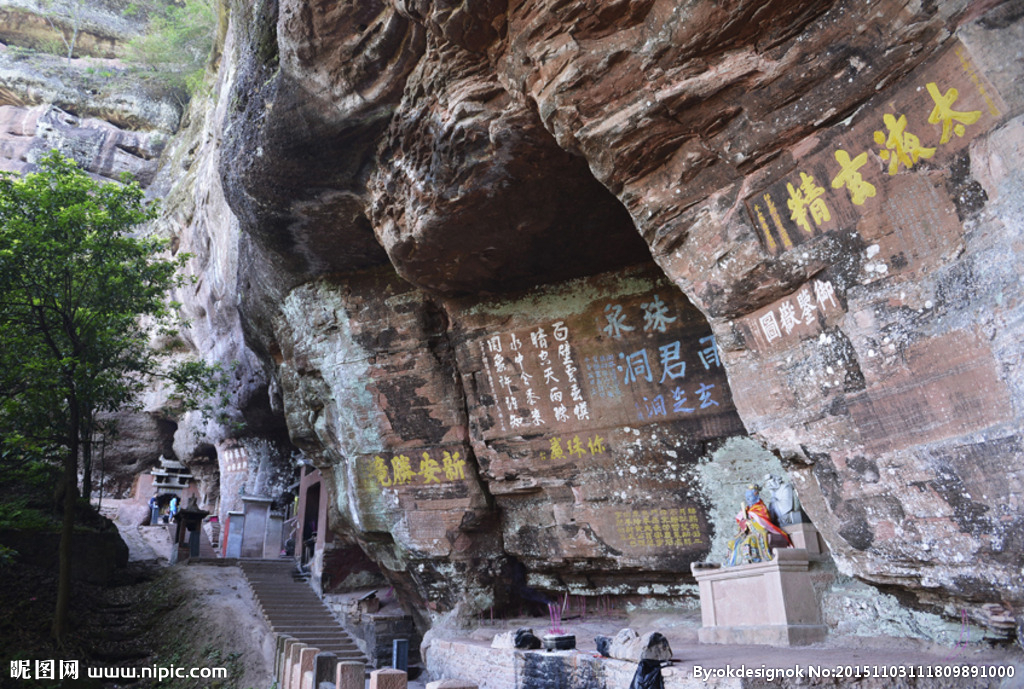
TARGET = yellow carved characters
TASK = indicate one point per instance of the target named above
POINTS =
(807, 197)
(849, 176)
(399, 471)
(901, 147)
(657, 528)
(944, 113)
(902, 143)
(574, 447)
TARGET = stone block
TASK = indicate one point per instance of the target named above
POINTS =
(323, 667)
(388, 678)
(452, 684)
(291, 668)
(284, 665)
(307, 661)
(236, 525)
(805, 536)
(254, 529)
(770, 603)
(279, 652)
(350, 674)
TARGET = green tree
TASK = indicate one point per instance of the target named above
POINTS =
(179, 44)
(79, 297)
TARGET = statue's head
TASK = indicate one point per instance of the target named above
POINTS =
(753, 494)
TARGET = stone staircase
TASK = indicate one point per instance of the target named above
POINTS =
(293, 610)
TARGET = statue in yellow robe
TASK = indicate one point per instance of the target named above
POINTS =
(758, 534)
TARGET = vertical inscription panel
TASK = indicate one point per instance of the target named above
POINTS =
(629, 355)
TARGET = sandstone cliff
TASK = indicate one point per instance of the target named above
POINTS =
(541, 286)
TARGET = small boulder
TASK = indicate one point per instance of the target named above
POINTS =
(654, 646)
(625, 645)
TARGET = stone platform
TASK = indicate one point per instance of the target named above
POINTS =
(770, 603)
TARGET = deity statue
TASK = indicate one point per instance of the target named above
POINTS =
(784, 505)
(757, 532)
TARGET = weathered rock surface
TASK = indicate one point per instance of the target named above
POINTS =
(243, 446)
(866, 306)
(136, 448)
(28, 134)
(93, 110)
(101, 89)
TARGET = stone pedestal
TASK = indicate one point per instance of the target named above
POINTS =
(280, 653)
(452, 684)
(770, 603)
(291, 669)
(388, 678)
(323, 668)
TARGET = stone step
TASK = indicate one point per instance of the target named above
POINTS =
(319, 625)
(321, 643)
(292, 608)
(317, 642)
(291, 595)
(288, 596)
(296, 595)
(339, 649)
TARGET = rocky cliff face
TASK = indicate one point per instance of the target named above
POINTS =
(541, 286)
(795, 221)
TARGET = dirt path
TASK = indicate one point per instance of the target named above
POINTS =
(218, 623)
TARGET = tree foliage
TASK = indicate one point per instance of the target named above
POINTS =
(73, 284)
(178, 44)
(80, 295)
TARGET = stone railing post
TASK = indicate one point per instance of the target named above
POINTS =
(350, 674)
(388, 678)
